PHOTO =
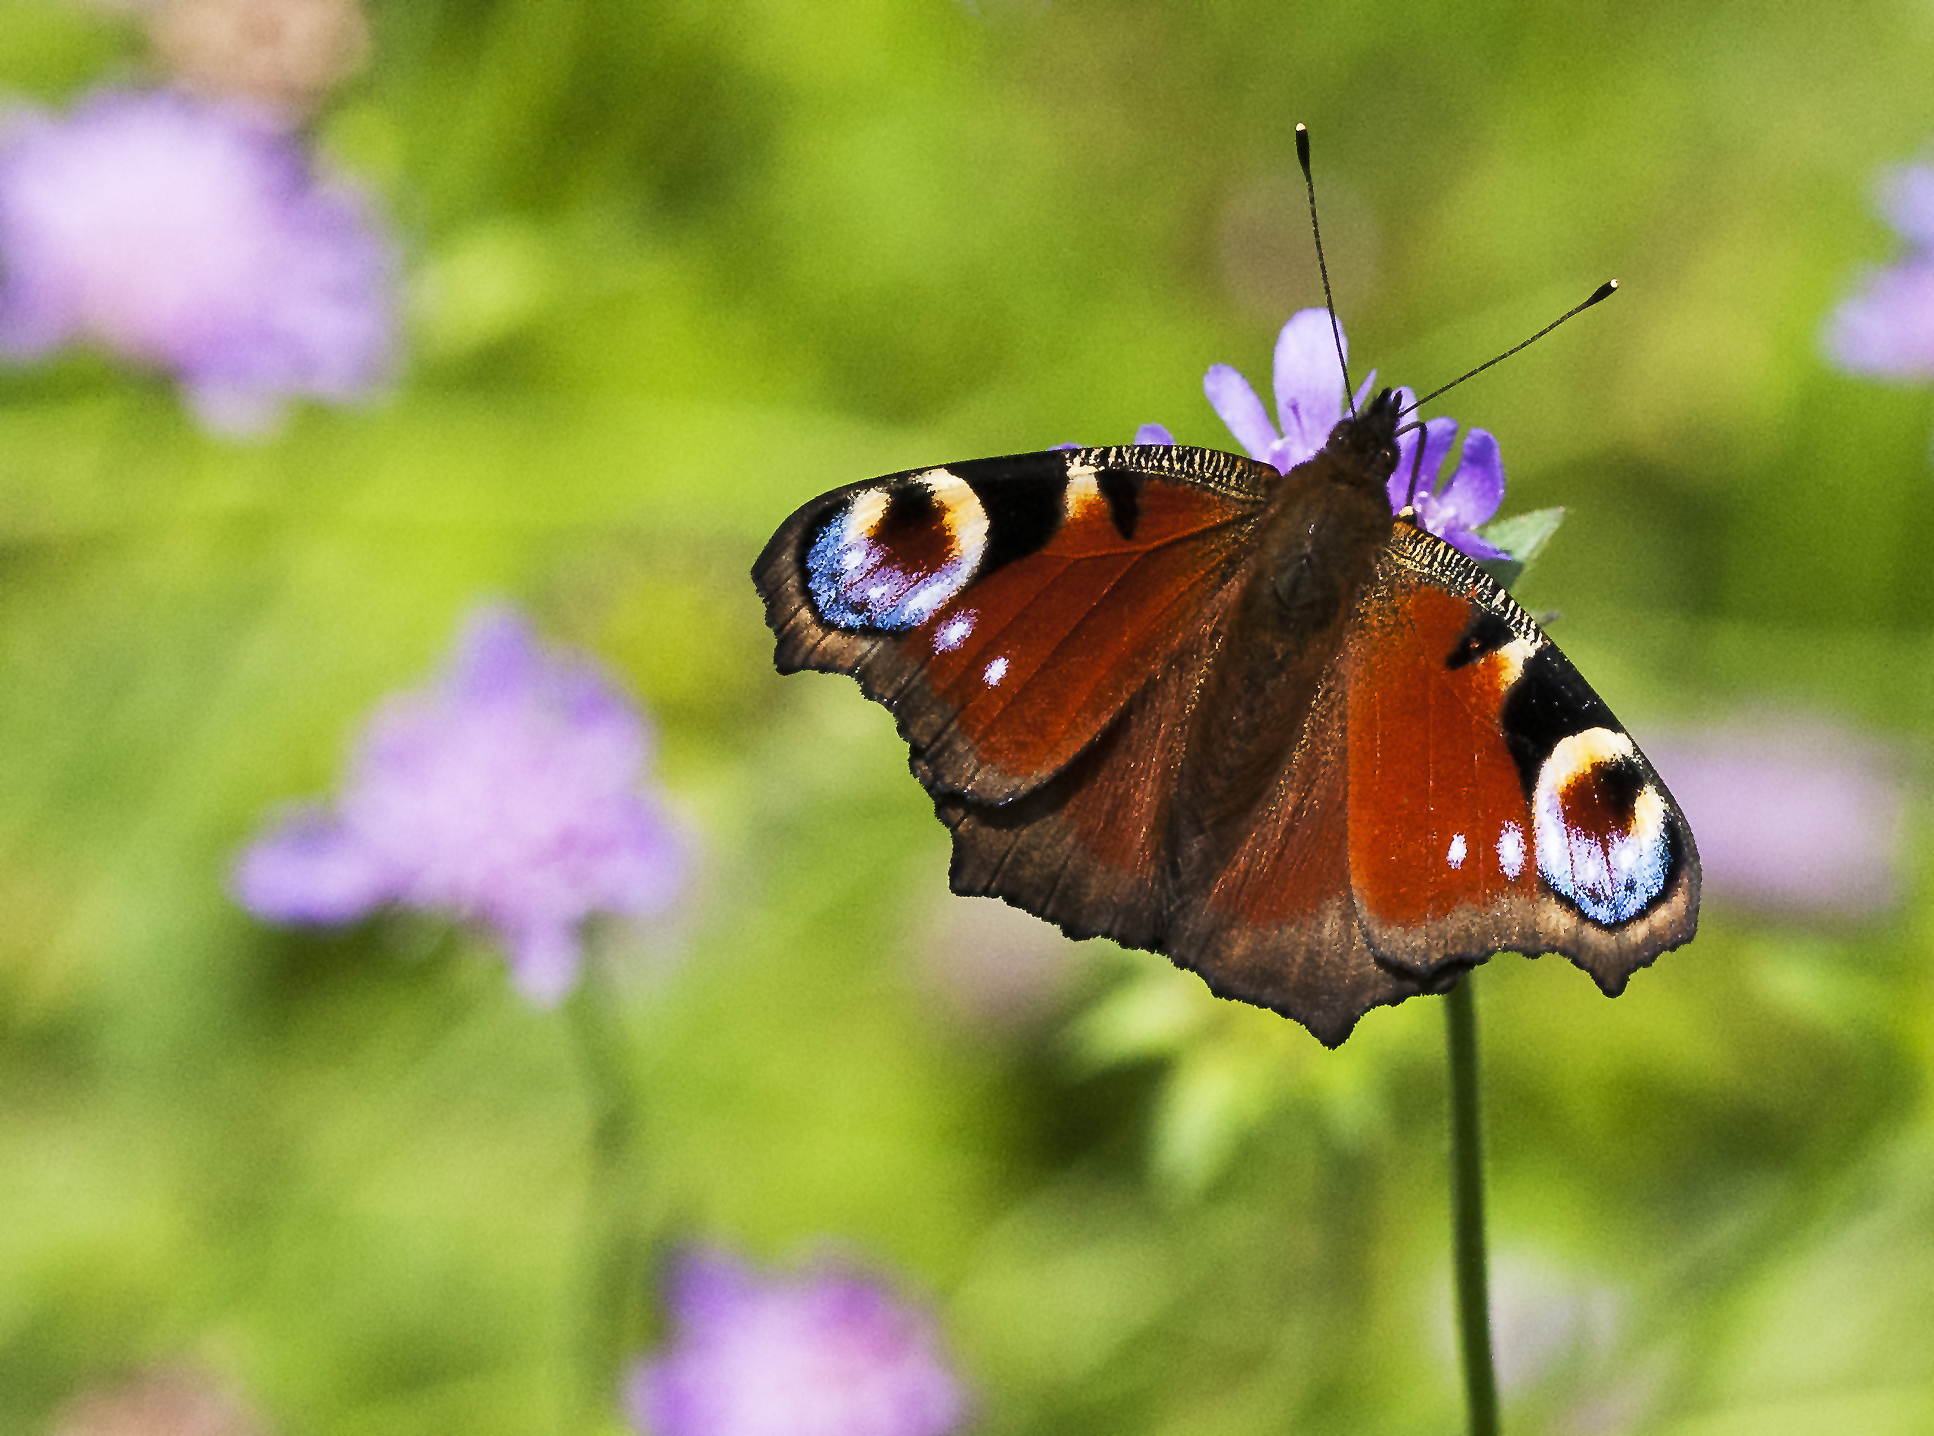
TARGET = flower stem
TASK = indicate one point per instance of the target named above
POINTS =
(611, 1296)
(1467, 1212)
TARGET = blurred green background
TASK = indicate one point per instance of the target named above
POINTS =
(674, 268)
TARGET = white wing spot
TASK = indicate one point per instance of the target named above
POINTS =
(996, 671)
(953, 633)
(1511, 850)
(1455, 857)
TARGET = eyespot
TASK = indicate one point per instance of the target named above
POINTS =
(893, 554)
(1600, 824)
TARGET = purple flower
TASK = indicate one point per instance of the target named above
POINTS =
(184, 235)
(1309, 395)
(1791, 814)
(1472, 493)
(825, 1353)
(1309, 401)
(507, 794)
(1887, 328)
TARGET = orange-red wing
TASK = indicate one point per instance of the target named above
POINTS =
(1494, 801)
(1005, 610)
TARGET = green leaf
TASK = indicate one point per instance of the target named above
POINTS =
(1522, 536)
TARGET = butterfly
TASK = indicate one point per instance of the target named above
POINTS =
(1248, 719)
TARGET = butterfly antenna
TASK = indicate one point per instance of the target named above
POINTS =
(1416, 465)
(1604, 291)
(1316, 233)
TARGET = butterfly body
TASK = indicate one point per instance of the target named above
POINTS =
(1245, 718)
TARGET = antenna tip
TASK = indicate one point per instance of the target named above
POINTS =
(1302, 147)
(1604, 291)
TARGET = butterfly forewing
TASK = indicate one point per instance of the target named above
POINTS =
(1495, 803)
(1006, 609)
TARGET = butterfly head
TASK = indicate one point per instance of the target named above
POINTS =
(1365, 445)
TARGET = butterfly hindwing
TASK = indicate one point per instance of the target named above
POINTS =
(1276, 926)
(1006, 609)
(1095, 850)
(1495, 804)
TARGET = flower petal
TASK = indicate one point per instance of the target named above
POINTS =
(310, 870)
(1154, 434)
(1309, 385)
(234, 411)
(824, 1353)
(1438, 434)
(507, 792)
(1466, 542)
(1907, 199)
(544, 961)
(1887, 328)
(497, 656)
(1476, 487)
(1236, 403)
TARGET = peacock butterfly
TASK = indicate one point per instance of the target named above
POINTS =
(1245, 718)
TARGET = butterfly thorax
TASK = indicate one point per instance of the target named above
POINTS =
(1318, 542)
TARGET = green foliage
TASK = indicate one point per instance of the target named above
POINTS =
(675, 268)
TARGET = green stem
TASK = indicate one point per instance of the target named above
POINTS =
(1467, 1212)
(613, 1280)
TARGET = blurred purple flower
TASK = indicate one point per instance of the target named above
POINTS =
(1309, 401)
(1887, 328)
(185, 235)
(825, 1353)
(507, 793)
(1790, 814)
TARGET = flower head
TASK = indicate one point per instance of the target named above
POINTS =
(1792, 814)
(825, 1353)
(1310, 401)
(506, 793)
(187, 235)
(1887, 328)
